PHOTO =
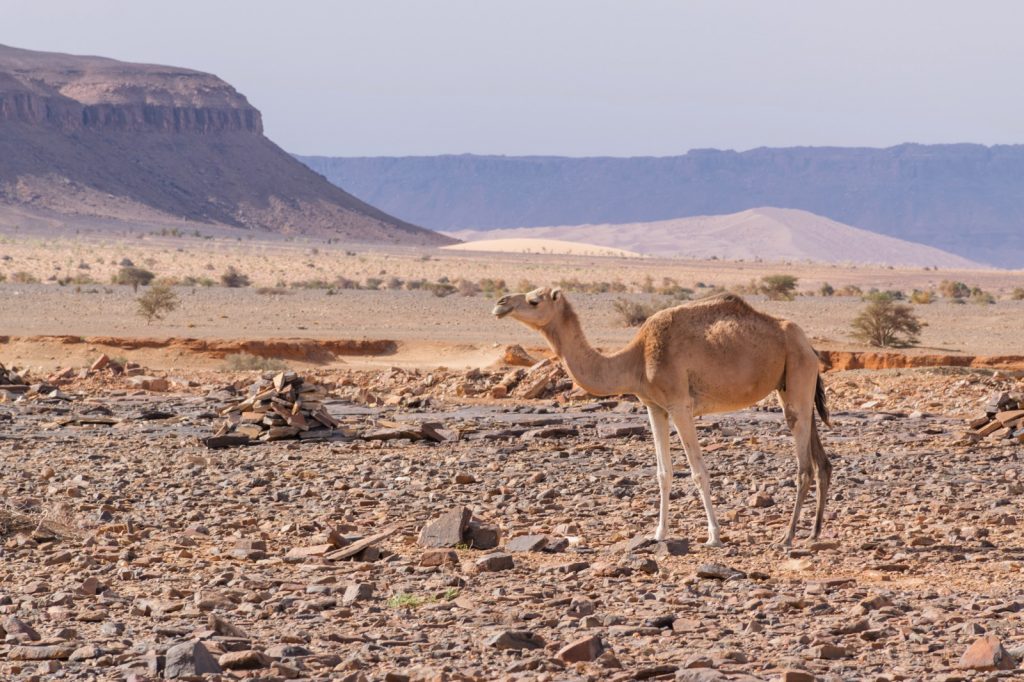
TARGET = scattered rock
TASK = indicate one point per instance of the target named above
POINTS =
(494, 562)
(582, 650)
(515, 640)
(448, 530)
(719, 572)
(987, 653)
(189, 659)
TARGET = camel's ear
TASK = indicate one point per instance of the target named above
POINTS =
(555, 294)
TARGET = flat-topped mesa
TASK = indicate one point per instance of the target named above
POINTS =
(74, 93)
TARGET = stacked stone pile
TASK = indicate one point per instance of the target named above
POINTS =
(277, 408)
(1003, 418)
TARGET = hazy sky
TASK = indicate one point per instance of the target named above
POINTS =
(575, 77)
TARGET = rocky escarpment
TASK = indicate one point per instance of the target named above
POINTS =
(90, 136)
(964, 198)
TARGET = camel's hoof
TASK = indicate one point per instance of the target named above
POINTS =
(785, 544)
(714, 543)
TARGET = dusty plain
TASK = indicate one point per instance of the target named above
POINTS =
(132, 550)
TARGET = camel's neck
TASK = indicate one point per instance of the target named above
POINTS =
(596, 373)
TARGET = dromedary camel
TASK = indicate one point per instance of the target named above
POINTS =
(714, 355)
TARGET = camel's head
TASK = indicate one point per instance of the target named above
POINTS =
(534, 309)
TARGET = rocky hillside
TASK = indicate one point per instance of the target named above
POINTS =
(769, 234)
(967, 199)
(89, 137)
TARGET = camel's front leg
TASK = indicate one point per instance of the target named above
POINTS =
(683, 418)
(659, 427)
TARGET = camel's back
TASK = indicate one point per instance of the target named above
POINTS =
(718, 321)
(716, 345)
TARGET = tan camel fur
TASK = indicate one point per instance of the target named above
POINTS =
(714, 355)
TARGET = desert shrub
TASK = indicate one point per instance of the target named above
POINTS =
(344, 283)
(416, 284)
(157, 302)
(3, 277)
(778, 287)
(394, 283)
(234, 279)
(82, 265)
(274, 291)
(22, 277)
(952, 289)
(79, 279)
(711, 291)
(126, 263)
(440, 289)
(311, 284)
(982, 297)
(467, 288)
(894, 294)
(192, 281)
(133, 276)
(525, 285)
(921, 297)
(633, 313)
(883, 322)
(647, 287)
(374, 283)
(1017, 294)
(676, 292)
(826, 290)
(493, 288)
(850, 290)
(575, 285)
(243, 362)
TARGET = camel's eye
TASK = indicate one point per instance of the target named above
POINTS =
(534, 302)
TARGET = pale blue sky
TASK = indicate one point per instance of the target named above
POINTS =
(575, 77)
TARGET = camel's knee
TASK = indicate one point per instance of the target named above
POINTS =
(665, 480)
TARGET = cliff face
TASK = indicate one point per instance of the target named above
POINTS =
(967, 199)
(95, 136)
(71, 94)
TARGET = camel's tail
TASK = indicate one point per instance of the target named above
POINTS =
(819, 402)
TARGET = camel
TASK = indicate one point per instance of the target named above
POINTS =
(714, 355)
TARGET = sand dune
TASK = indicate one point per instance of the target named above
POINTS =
(770, 234)
(537, 245)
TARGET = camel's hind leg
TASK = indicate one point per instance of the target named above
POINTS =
(683, 418)
(800, 418)
(659, 427)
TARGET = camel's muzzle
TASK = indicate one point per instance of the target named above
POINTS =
(501, 311)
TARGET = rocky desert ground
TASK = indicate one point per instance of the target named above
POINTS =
(473, 516)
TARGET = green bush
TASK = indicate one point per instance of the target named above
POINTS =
(884, 322)
(778, 287)
(633, 313)
(157, 302)
(952, 289)
(133, 276)
(234, 279)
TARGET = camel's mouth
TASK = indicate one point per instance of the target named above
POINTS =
(500, 311)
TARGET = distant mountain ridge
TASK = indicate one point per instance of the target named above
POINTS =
(964, 198)
(764, 233)
(85, 138)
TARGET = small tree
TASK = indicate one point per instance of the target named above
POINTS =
(234, 279)
(884, 323)
(827, 290)
(157, 302)
(778, 287)
(134, 276)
